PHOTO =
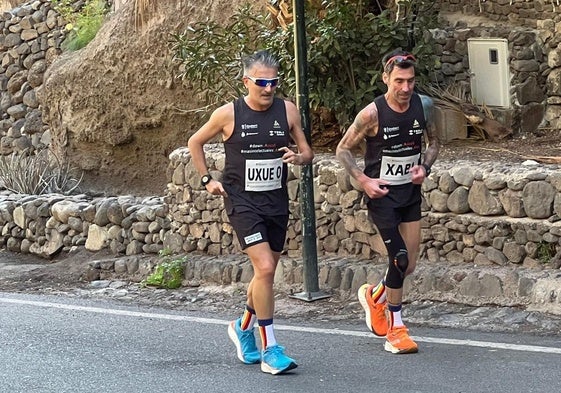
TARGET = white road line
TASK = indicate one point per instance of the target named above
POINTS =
(138, 314)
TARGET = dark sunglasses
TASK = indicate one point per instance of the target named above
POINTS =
(264, 82)
(399, 59)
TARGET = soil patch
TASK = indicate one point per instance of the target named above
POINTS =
(540, 146)
(26, 272)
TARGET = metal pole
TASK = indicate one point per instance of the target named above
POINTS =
(309, 246)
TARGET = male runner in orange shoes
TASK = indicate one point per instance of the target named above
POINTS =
(393, 126)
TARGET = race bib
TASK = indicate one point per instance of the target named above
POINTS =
(263, 175)
(396, 169)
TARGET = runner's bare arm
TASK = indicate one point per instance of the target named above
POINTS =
(433, 143)
(218, 123)
(365, 123)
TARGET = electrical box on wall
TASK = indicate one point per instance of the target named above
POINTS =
(489, 71)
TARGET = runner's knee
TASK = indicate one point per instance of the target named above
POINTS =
(397, 269)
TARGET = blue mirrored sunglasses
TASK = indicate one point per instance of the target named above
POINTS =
(264, 82)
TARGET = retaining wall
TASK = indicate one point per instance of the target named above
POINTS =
(490, 232)
(477, 213)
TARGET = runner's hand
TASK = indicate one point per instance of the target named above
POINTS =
(374, 188)
(290, 157)
(215, 188)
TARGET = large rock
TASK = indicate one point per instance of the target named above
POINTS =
(482, 201)
(538, 198)
(114, 108)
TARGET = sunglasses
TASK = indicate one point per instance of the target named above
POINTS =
(399, 59)
(264, 82)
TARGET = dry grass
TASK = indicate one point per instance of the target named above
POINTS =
(456, 97)
(10, 4)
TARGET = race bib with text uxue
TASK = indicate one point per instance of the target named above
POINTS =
(396, 169)
(263, 175)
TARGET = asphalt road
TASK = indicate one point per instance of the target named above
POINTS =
(64, 344)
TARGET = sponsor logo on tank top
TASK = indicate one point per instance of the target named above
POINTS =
(390, 132)
(416, 130)
(246, 127)
(276, 131)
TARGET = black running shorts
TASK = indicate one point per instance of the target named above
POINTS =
(392, 217)
(402, 204)
(252, 228)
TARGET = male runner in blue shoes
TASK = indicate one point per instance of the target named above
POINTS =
(257, 130)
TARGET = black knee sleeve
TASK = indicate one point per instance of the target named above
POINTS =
(396, 270)
(397, 255)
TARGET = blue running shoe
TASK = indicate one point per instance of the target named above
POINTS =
(275, 361)
(245, 343)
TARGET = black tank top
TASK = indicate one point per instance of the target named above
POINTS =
(396, 148)
(392, 152)
(254, 175)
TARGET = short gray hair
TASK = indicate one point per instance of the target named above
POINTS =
(262, 57)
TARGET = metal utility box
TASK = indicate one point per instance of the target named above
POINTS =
(489, 71)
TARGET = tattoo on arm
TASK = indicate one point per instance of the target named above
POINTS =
(433, 143)
(353, 137)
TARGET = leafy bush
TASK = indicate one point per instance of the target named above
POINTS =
(345, 44)
(168, 273)
(209, 54)
(37, 174)
(82, 23)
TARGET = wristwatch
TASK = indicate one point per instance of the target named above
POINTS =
(205, 179)
(427, 169)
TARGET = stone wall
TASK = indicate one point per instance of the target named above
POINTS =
(533, 31)
(479, 214)
(30, 38)
(515, 12)
(46, 224)
(476, 218)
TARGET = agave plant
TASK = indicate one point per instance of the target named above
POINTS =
(37, 174)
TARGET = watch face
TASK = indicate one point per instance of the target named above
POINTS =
(205, 180)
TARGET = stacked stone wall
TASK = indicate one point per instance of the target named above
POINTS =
(479, 214)
(44, 225)
(30, 39)
(493, 214)
(484, 214)
(519, 12)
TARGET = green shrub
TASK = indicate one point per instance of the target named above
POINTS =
(168, 274)
(346, 41)
(36, 174)
(209, 54)
(83, 23)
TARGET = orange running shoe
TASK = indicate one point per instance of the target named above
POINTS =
(398, 341)
(375, 316)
